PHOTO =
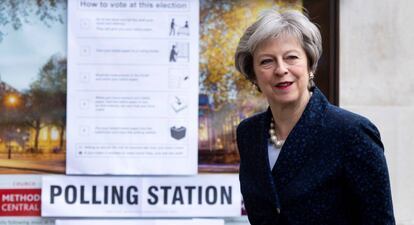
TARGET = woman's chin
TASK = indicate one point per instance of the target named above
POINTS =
(284, 100)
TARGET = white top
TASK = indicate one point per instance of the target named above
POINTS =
(273, 153)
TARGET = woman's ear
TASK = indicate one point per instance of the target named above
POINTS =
(254, 82)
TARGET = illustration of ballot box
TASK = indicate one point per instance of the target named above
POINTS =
(178, 133)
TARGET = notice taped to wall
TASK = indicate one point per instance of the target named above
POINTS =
(132, 87)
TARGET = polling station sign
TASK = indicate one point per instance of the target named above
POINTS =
(185, 196)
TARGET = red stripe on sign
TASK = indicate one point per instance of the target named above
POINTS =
(20, 202)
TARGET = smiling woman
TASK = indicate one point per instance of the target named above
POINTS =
(281, 70)
(304, 161)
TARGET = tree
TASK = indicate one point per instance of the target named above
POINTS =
(16, 13)
(33, 112)
(53, 79)
(46, 99)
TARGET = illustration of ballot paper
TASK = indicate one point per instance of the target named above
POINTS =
(178, 78)
(177, 103)
(178, 132)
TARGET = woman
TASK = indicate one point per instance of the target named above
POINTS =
(304, 161)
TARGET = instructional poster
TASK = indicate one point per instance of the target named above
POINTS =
(132, 105)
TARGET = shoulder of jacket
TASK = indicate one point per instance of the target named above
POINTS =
(349, 124)
(345, 117)
(250, 122)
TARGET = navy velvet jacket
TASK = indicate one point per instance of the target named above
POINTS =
(331, 170)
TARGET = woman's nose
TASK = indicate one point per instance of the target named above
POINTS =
(281, 69)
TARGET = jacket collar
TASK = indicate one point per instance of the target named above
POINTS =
(298, 145)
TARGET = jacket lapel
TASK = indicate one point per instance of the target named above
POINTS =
(259, 142)
(301, 142)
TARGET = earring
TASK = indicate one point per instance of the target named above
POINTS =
(311, 83)
(257, 86)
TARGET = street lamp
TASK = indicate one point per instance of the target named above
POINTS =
(11, 101)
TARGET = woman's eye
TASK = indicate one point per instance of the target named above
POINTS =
(265, 61)
(291, 57)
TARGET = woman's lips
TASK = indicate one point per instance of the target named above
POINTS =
(283, 85)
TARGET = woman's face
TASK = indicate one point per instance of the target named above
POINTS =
(281, 69)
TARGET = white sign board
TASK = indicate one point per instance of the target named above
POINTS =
(194, 196)
(132, 87)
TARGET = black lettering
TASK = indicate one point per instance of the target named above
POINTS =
(118, 5)
(132, 195)
(153, 195)
(117, 195)
(210, 189)
(69, 193)
(226, 195)
(200, 195)
(165, 189)
(190, 193)
(82, 195)
(88, 4)
(178, 196)
(55, 191)
(94, 201)
(106, 195)
(145, 5)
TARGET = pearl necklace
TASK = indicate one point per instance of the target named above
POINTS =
(272, 132)
(273, 138)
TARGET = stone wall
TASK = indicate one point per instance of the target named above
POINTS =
(377, 80)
